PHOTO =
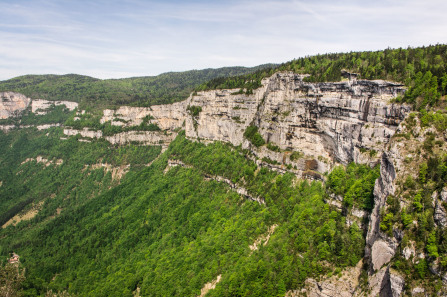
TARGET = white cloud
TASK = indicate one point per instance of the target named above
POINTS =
(111, 39)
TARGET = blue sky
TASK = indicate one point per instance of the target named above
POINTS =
(113, 39)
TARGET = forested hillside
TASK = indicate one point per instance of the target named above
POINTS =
(273, 207)
(169, 232)
(137, 91)
(422, 69)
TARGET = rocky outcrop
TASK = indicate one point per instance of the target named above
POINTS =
(381, 253)
(45, 161)
(353, 214)
(167, 117)
(175, 163)
(117, 172)
(344, 285)
(375, 239)
(40, 106)
(238, 189)
(140, 137)
(385, 283)
(409, 251)
(400, 166)
(7, 128)
(392, 284)
(210, 286)
(440, 215)
(380, 248)
(263, 239)
(84, 133)
(12, 104)
(47, 126)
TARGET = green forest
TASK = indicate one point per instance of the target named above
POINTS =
(169, 233)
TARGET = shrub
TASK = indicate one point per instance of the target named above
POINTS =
(295, 156)
(252, 134)
(273, 147)
(194, 110)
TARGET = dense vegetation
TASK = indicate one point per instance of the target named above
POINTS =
(169, 234)
(423, 69)
(354, 184)
(137, 91)
(252, 134)
(54, 115)
(26, 183)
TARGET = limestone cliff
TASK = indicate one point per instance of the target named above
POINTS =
(40, 106)
(327, 122)
(12, 104)
(167, 117)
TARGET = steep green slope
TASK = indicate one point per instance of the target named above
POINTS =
(169, 233)
(38, 170)
(138, 91)
(418, 206)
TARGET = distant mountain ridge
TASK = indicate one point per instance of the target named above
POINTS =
(137, 91)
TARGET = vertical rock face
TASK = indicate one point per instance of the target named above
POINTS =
(384, 186)
(392, 284)
(336, 121)
(143, 137)
(84, 133)
(167, 116)
(380, 248)
(326, 122)
(224, 116)
(12, 104)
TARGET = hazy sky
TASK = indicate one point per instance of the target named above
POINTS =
(112, 39)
